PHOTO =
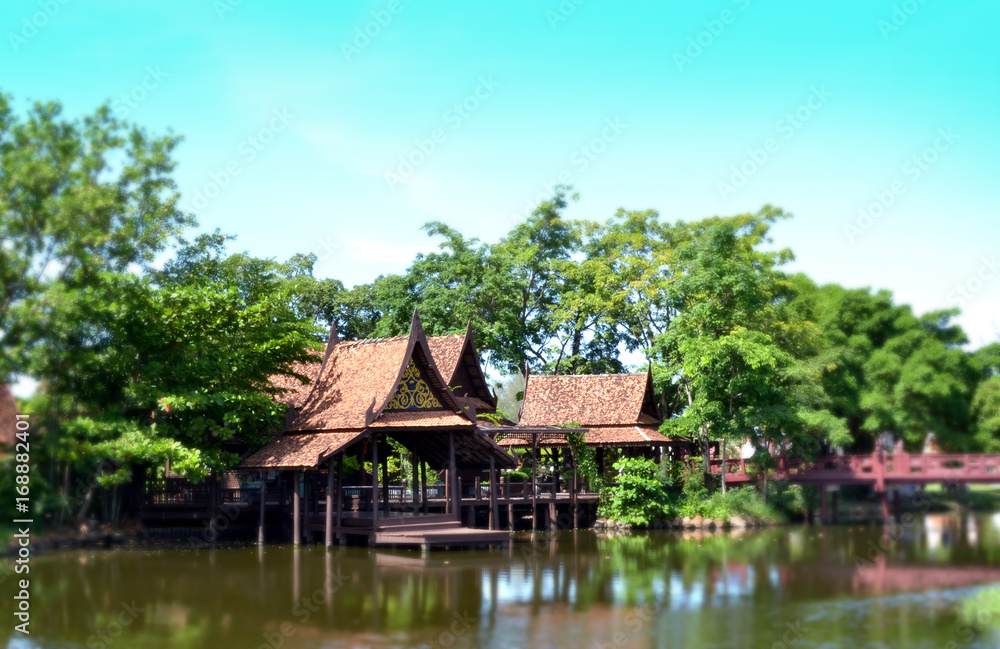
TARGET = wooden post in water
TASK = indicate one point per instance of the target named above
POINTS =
(534, 503)
(453, 471)
(415, 481)
(494, 512)
(296, 506)
(263, 498)
(423, 487)
(385, 482)
(328, 527)
(374, 498)
(340, 489)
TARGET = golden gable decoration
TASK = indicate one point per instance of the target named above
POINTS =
(413, 392)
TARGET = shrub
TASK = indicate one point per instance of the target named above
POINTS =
(640, 497)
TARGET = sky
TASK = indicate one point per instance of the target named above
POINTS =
(341, 128)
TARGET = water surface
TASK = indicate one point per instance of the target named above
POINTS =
(849, 586)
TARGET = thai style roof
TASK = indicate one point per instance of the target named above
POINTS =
(616, 409)
(299, 451)
(8, 416)
(458, 360)
(390, 385)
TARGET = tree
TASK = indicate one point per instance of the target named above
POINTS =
(79, 198)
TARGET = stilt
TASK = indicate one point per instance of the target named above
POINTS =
(374, 488)
(494, 512)
(328, 527)
(553, 516)
(415, 481)
(296, 513)
(385, 482)
(534, 503)
(263, 500)
(423, 487)
(510, 516)
(884, 501)
(340, 490)
(453, 477)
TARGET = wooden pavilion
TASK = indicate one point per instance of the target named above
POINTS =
(362, 393)
(618, 412)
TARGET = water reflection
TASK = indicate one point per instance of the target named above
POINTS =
(852, 586)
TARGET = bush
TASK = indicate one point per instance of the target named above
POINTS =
(640, 497)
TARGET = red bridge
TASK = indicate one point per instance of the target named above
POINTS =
(880, 469)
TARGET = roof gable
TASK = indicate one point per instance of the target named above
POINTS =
(361, 379)
(458, 360)
(588, 400)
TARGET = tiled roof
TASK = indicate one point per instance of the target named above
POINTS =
(588, 400)
(446, 350)
(419, 419)
(300, 451)
(359, 376)
(616, 436)
(8, 416)
(297, 391)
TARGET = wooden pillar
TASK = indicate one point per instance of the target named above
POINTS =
(263, 490)
(423, 487)
(328, 521)
(557, 462)
(534, 503)
(340, 488)
(456, 496)
(447, 491)
(884, 501)
(374, 481)
(573, 498)
(822, 505)
(510, 516)
(494, 512)
(416, 491)
(385, 483)
(296, 507)
(553, 515)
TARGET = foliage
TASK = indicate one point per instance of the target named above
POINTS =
(982, 610)
(640, 496)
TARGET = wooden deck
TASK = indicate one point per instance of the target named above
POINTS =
(424, 532)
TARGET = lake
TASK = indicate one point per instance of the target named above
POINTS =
(843, 586)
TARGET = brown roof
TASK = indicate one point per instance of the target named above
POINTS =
(616, 436)
(447, 351)
(302, 451)
(588, 400)
(296, 390)
(8, 415)
(419, 419)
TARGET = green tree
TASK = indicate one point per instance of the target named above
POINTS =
(80, 198)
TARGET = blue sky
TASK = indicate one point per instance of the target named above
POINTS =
(877, 114)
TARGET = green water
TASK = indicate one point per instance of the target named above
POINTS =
(800, 587)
